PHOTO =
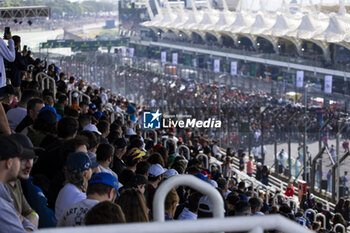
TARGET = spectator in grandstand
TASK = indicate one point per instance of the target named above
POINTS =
(61, 104)
(171, 201)
(250, 166)
(155, 176)
(290, 189)
(102, 187)
(33, 108)
(105, 154)
(134, 206)
(242, 162)
(120, 149)
(43, 125)
(16, 115)
(227, 168)
(338, 218)
(15, 187)
(241, 191)
(6, 52)
(10, 155)
(242, 208)
(265, 175)
(131, 111)
(223, 185)
(256, 204)
(61, 84)
(18, 66)
(104, 213)
(103, 127)
(346, 145)
(191, 211)
(9, 96)
(103, 96)
(78, 172)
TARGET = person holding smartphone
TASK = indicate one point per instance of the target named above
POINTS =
(6, 52)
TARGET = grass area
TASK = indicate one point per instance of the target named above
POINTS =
(100, 32)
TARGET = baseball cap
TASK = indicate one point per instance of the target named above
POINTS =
(9, 148)
(105, 178)
(202, 177)
(169, 173)
(129, 132)
(205, 205)
(93, 107)
(156, 170)
(48, 107)
(28, 148)
(79, 161)
(47, 116)
(92, 128)
(136, 153)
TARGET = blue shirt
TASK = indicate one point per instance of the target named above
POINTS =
(131, 111)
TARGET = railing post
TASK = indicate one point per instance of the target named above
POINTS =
(206, 159)
(188, 152)
(193, 182)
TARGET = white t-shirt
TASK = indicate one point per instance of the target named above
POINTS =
(108, 170)
(68, 195)
(74, 215)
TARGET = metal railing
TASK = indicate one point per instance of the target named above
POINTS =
(205, 158)
(339, 225)
(146, 133)
(193, 182)
(80, 96)
(50, 79)
(251, 224)
(188, 152)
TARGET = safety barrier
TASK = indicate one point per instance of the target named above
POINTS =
(339, 225)
(145, 135)
(295, 204)
(170, 139)
(188, 152)
(50, 79)
(323, 219)
(206, 159)
(193, 182)
(277, 196)
(215, 165)
(249, 181)
(311, 211)
(80, 96)
(30, 67)
(251, 224)
(267, 189)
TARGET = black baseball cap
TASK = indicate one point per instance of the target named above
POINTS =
(10, 148)
(120, 143)
(28, 148)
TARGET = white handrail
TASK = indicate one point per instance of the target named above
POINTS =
(30, 67)
(249, 181)
(312, 211)
(154, 134)
(229, 224)
(267, 191)
(339, 225)
(48, 84)
(295, 204)
(170, 139)
(193, 182)
(216, 165)
(279, 195)
(80, 96)
(323, 217)
(188, 152)
(122, 115)
(206, 159)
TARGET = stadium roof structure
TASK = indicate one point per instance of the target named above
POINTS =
(294, 25)
(25, 12)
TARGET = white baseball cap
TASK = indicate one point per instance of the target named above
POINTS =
(92, 128)
(169, 173)
(156, 170)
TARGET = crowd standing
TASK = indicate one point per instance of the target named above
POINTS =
(87, 163)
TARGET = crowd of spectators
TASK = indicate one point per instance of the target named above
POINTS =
(87, 163)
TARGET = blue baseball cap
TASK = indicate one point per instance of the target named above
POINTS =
(48, 107)
(202, 177)
(93, 107)
(79, 162)
(105, 178)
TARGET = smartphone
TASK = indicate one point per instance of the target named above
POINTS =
(7, 31)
